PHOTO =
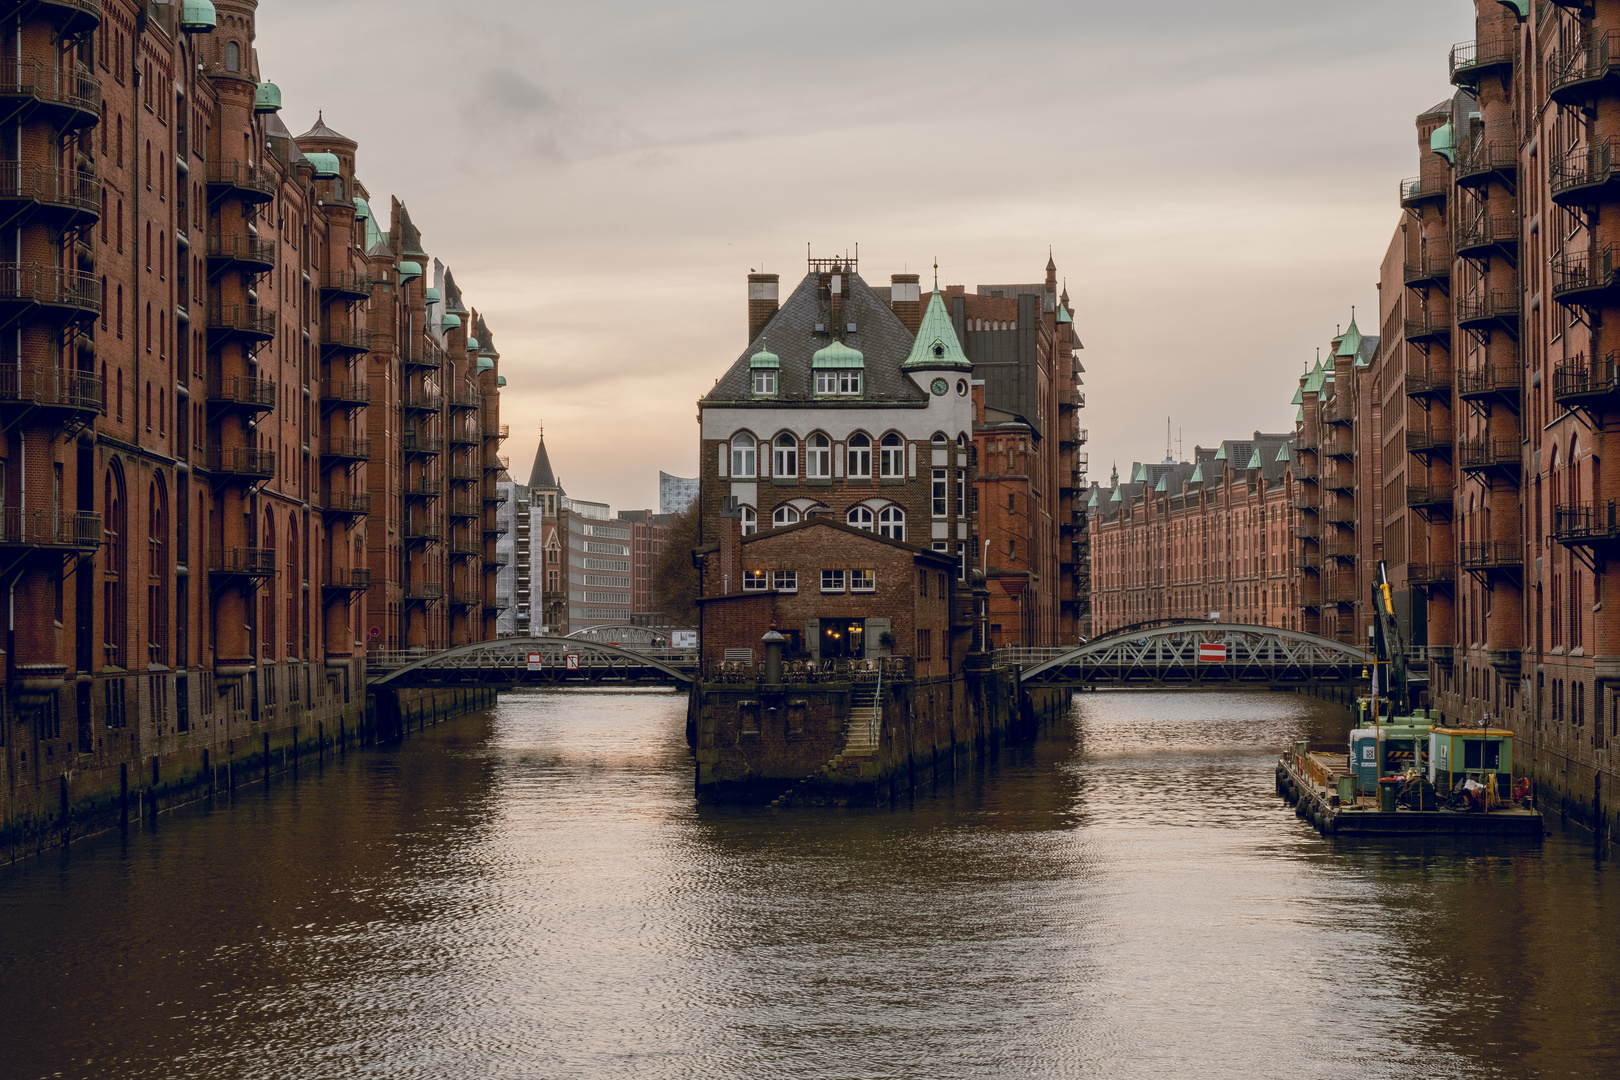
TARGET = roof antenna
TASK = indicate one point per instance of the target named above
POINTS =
(936, 273)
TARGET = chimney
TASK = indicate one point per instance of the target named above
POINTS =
(836, 286)
(905, 298)
(762, 302)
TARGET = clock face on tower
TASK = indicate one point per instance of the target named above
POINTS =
(939, 387)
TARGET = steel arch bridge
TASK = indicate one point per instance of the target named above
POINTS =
(1194, 654)
(505, 662)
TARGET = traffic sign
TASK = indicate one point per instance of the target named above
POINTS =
(1209, 653)
(572, 662)
(536, 662)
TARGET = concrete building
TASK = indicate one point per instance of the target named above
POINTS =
(210, 337)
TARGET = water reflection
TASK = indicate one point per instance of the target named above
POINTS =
(532, 893)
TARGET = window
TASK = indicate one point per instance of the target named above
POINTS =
(784, 515)
(961, 494)
(892, 458)
(765, 383)
(233, 56)
(832, 581)
(860, 517)
(742, 455)
(849, 382)
(863, 581)
(892, 523)
(826, 382)
(940, 489)
(750, 521)
(785, 580)
(785, 457)
(925, 645)
(859, 464)
(756, 580)
(818, 458)
(922, 583)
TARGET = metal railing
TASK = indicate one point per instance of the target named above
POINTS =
(347, 338)
(1489, 304)
(242, 318)
(1588, 57)
(463, 435)
(424, 489)
(1430, 266)
(1577, 377)
(349, 502)
(1589, 166)
(346, 283)
(1485, 231)
(249, 561)
(1421, 496)
(1427, 383)
(421, 401)
(50, 286)
(1490, 554)
(77, 89)
(413, 443)
(51, 387)
(346, 393)
(1427, 326)
(1469, 56)
(32, 182)
(1426, 441)
(1488, 453)
(240, 461)
(464, 508)
(423, 531)
(1431, 573)
(424, 590)
(242, 177)
(1585, 522)
(64, 529)
(242, 390)
(348, 579)
(243, 249)
(1493, 379)
(346, 448)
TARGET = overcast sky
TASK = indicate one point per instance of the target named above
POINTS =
(1216, 181)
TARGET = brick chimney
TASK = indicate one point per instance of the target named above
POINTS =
(905, 298)
(762, 302)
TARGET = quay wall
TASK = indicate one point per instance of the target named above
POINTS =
(235, 742)
(756, 743)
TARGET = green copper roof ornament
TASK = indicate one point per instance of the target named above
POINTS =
(484, 364)
(1140, 477)
(1299, 415)
(362, 209)
(1282, 453)
(1254, 460)
(1198, 474)
(432, 295)
(409, 271)
(1116, 497)
(936, 345)
(449, 322)
(1220, 455)
(1350, 342)
(323, 164)
(500, 380)
(837, 355)
(1299, 395)
(472, 344)
(1092, 503)
(1520, 6)
(764, 359)
(1443, 141)
(197, 17)
(267, 98)
(1161, 486)
(1063, 315)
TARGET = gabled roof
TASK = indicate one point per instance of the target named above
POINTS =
(936, 345)
(410, 240)
(1350, 342)
(540, 474)
(821, 521)
(321, 131)
(791, 335)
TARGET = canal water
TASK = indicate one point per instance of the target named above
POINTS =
(531, 893)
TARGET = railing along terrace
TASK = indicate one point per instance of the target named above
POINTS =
(1577, 377)
(1469, 55)
(1587, 57)
(51, 386)
(1491, 554)
(32, 182)
(1428, 382)
(1418, 495)
(78, 89)
(1430, 574)
(1487, 453)
(67, 529)
(1496, 378)
(50, 286)
(1485, 231)
(1489, 304)
(1425, 440)
(1587, 166)
(1584, 522)
(804, 670)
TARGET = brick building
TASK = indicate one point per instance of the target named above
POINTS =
(1185, 539)
(216, 351)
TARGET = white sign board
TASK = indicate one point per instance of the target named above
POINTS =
(536, 662)
(683, 639)
(573, 661)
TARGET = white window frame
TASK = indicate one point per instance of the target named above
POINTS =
(818, 457)
(832, 581)
(826, 382)
(744, 457)
(756, 580)
(892, 458)
(765, 382)
(785, 580)
(861, 517)
(849, 382)
(784, 515)
(961, 493)
(892, 522)
(862, 581)
(940, 493)
(785, 457)
(750, 521)
(858, 465)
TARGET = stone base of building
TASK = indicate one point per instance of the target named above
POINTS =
(230, 743)
(794, 743)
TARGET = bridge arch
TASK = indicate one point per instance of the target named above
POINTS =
(505, 661)
(1169, 655)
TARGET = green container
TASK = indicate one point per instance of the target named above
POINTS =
(1386, 793)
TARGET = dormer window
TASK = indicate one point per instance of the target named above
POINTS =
(764, 383)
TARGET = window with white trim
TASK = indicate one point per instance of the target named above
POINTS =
(849, 382)
(961, 493)
(858, 465)
(818, 458)
(785, 580)
(785, 457)
(826, 382)
(756, 580)
(784, 515)
(892, 457)
(832, 581)
(750, 521)
(863, 581)
(764, 383)
(860, 517)
(940, 489)
(892, 523)
(742, 454)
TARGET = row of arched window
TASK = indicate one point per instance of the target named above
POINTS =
(781, 456)
(889, 521)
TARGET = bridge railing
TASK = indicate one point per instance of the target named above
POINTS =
(812, 671)
(1022, 656)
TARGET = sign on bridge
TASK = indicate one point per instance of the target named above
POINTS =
(1211, 653)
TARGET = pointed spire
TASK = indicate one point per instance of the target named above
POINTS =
(1350, 343)
(936, 344)
(541, 475)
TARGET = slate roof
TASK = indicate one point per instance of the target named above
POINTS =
(540, 475)
(410, 240)
(321, 131)
(791, 334)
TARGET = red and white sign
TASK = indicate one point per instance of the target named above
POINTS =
(1209, 653)
(536, 662)
(572, 661)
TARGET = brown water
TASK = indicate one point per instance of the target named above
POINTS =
(532, 893)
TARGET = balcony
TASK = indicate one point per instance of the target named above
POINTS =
(345, 450)
(345, 394)
(244, 464)
(462, 435)
(1581, 71)
(1340, 481)
(344, 580)
(349, 503)
(70, 100)
(1491, 555)
(414, 443)
(1417, 191)
(242, 392)
(1502, 456)
(459, 398)
(1431, 575)
(424, 489)
(1579, 383)
(50, 530)
(494, 498)
(1429, 385)
(500, 434)
(77, 394)
(1337, 590)
(247, 321)
(463, 473)
(1483, 237)
(467, 598)
(1584, 278)
(1341, 546)
(464, 508)
(1428, 443)
(247, 182)
(1587, 524)
(67, 199)
(71, 295)
(1342, 445)
(423, 532)
(1494, 157)
(1472, 61)
(421, 355)
(1306, 501)
(1586, 176)
(497, 527)
(423, 591)
(1490, 309)
(1430, 500)
(1500, 381)
(1307, 529)
(1340, 514)
(421, 401)
(249, 253)
(1341, 410)
(345, 340)
(345, 286)
(1429, 329)
(243, 562)
(462, 547)
(72, 18)
(1431, 270)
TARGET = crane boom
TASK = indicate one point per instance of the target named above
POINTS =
(1389, 650)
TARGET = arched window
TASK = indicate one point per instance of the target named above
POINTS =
(785, 456)
(818, 458)
(233, 56)
(292, 589)
(860, 517)
(892, 523)
(742, 454)
(785, 515)
(859, 464)
(337, 186)
(750, 521)
(267, 626)
(892, 457)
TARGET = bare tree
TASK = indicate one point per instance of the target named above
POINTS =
(674, 578)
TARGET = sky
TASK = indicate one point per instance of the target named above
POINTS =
(1216, 182)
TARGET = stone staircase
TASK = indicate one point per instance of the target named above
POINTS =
(860, 738)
